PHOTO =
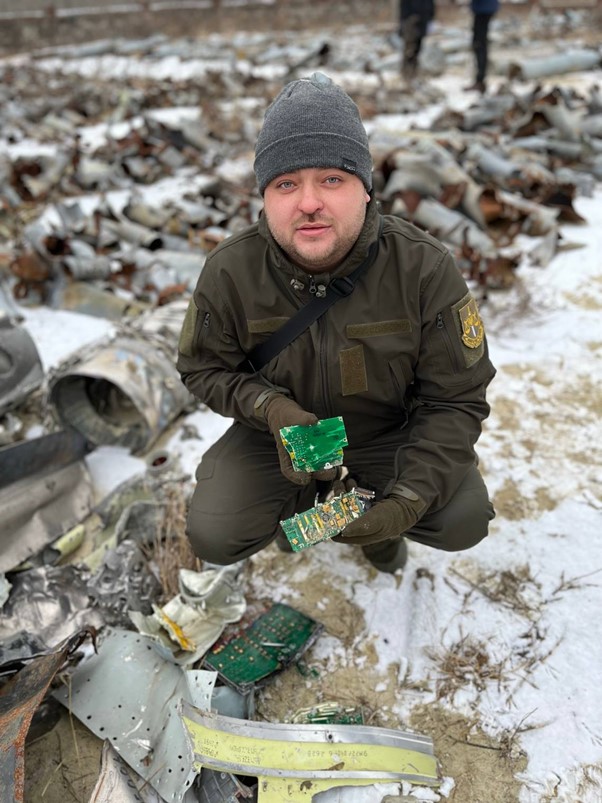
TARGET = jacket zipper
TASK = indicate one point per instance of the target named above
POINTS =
(448, 344)
(205, 325)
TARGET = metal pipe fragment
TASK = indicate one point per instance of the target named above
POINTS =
(559, 63)
(125, 391)
(21, 369)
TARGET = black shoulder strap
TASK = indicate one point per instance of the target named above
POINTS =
(337, 289)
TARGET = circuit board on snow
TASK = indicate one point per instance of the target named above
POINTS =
(316, 447)
(273, 641)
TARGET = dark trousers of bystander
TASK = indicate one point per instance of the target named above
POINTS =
(480, 46)
(413, 31)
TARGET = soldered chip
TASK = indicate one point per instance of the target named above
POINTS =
(324, 520)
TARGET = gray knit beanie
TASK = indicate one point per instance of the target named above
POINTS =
(312, 123)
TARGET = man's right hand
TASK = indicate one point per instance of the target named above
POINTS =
(280, 411)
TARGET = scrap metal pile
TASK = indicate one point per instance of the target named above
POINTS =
(124, 164)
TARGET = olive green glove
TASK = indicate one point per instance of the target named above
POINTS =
(387, 519)
(280, 411)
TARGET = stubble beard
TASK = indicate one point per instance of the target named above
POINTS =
(319, 262)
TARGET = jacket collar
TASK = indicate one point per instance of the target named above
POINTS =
(358, 253)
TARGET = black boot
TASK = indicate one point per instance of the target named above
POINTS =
(282, 542)
(478, 86)
(387, 556)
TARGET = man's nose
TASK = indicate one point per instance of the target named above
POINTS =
(310, 199)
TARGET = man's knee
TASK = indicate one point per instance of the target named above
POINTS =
(462, 523)
(464, 532)
(224, 539)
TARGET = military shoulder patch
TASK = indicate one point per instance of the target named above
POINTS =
(471, 325)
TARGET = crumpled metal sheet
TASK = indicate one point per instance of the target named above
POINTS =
(125, 582)
(129, 694)
(40, 505)
(132, 510)
(45, 605)
(117, 783)
(21, 370)
(190, 623)
(5, 588)
(19, 699)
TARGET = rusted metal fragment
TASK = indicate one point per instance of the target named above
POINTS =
(530, 217)
(32, 273)
(19, 699)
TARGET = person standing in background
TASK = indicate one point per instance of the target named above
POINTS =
(482, 11)
(414, 18)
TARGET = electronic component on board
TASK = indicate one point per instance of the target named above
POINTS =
(317, 446)
(327, 519)
(329, 713)
(270, 643)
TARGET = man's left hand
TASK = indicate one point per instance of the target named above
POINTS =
(387, 519)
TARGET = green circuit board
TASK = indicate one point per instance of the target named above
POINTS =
(321, 522)
(329, 714)
(317, 446)
(273, 641)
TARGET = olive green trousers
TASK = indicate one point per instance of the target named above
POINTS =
(241, 496)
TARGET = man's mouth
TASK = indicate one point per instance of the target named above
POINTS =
(312, 228)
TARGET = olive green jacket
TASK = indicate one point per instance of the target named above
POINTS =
(406, 349)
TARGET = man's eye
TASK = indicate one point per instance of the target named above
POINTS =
(285, 185)
(333, 180)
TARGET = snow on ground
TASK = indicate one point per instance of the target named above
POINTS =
(540, 453)
(506, 634)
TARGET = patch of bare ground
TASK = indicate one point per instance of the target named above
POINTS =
(484, 769)
(62, 766)
(559, 430)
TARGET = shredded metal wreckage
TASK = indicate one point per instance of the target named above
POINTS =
(83, 233)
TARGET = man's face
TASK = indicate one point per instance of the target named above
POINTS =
(315, 215)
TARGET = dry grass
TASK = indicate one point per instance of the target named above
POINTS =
(515, 589)
(468, 665)
(465, 663)
(171, 550)
(587, 787)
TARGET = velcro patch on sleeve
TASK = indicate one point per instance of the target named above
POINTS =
(353, 371)
(470, 329)
(186, 341)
